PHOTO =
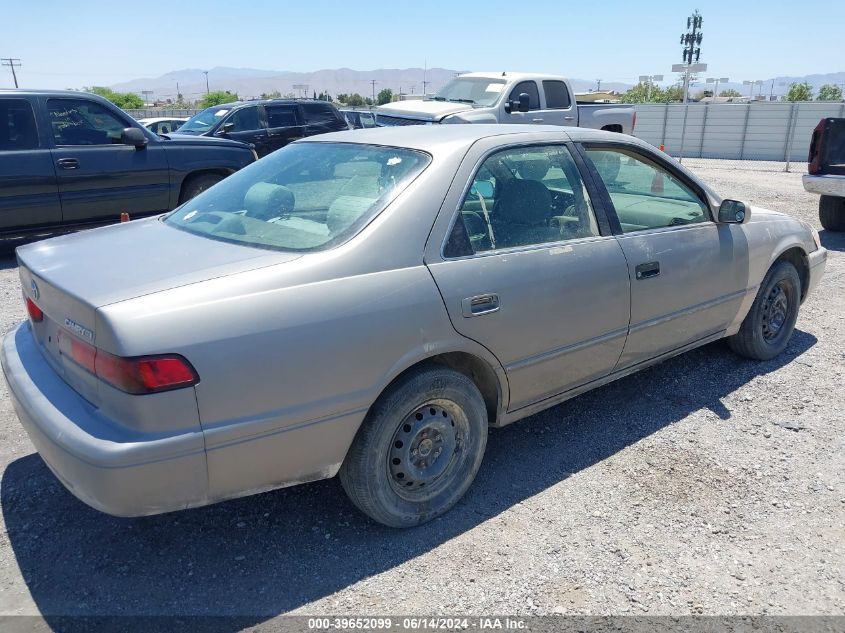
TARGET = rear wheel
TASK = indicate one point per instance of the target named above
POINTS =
(832, 213)
(195, 185)
(767, 328)
(419, 449)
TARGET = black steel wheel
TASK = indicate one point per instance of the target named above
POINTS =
(419, 449)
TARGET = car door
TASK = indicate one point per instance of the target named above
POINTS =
(533, 115)
(321, 117)
(284, 124)
(527, 272)
(246, 125)
(559, 108)
(29, 194)
(688, 273)
(99, 177)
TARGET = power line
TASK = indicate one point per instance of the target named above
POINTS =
(11, 62)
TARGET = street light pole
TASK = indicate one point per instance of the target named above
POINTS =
(205, 72)
(649, 80)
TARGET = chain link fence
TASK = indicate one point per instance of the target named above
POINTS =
(761, 131)
(149, 113)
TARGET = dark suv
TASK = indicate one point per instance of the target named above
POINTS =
(267, 124)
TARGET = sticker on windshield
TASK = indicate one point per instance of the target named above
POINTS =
(393, 161)
(220, 112)
(190, 215)
(494, 87)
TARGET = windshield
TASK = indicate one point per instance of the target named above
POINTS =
(205, 120)
(303, 197)
(473, 90)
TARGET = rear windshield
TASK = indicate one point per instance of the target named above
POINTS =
(303, 197)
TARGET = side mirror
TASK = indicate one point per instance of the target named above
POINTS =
(226, 127)
(483, 188)
(733, 212)
(133, 136)
(524, 101)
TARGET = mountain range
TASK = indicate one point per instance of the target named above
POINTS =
(252, 82)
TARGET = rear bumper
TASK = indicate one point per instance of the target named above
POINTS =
(817, 260)
(825, 185)
(110, 468)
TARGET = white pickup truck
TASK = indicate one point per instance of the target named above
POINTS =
(507, 97)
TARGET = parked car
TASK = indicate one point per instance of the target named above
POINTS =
(368, 302)
(826, 172)
(70, 160)
(522, 98)
(359, 119)
(163, 125)
(267, 125)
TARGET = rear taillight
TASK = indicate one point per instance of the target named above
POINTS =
(814, 160)
(135, 375)
(34, 311)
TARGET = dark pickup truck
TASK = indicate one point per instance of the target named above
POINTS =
(826, 172)
(72, 159)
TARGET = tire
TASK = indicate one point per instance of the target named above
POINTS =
(769, 324)
(832, 213)
(431, 412)
(195, 185)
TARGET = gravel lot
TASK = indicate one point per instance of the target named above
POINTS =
(708, 484)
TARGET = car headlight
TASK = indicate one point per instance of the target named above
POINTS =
(816, 239)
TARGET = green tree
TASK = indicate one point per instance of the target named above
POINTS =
(384, 96)
(800, 92)
(342, 98)
(642, 93)
(271, 95)
(673, 93)
(324, 96)
(730, 92)
(355, 100)
(125, 100)
(830, 92)
(217, 97)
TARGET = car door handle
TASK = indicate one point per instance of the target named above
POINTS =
(536, 120)
(569, 118)
(649, 269)
(480, 304)
(68, 163)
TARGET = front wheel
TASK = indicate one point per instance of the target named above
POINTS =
(767, 328)
(419, 449)
(195, 185)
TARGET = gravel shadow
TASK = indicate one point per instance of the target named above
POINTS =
(831, 240)
(267, 554)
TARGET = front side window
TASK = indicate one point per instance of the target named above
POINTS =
(17, 125)
(646, 195)
(244, 120)
(81, 122)
(303, 197)
(521, 197)
(529, 88)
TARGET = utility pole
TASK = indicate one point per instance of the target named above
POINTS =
(205, 72)
(373, 81)
(598, 85)
(425, 83)
(691, 41)
(12, 62)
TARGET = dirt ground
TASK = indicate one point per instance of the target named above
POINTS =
(708, 484)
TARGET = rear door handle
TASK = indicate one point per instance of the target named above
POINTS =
(649, 269)
(68, 163)
(536, 120)
(480, 304)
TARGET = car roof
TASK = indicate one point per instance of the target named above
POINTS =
(240, 104)
(441, 138)
(47, 93)
(506, 75)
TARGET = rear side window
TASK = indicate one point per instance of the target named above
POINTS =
(17, 125)
(81, 122)
(281, 116)
(320, 114)
(557, 96)
(530, 88)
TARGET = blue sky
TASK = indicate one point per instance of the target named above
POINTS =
(92, 42)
